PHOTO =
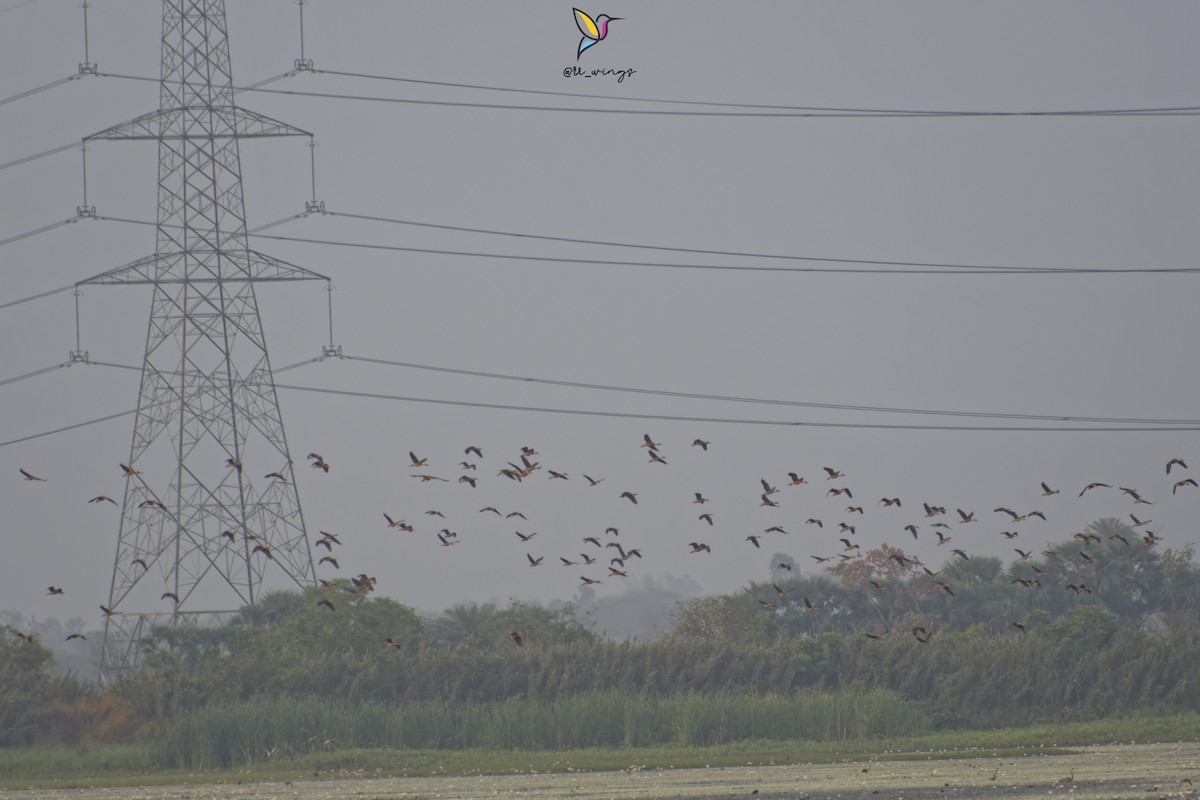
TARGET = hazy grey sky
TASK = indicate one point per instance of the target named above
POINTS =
(1095, 192)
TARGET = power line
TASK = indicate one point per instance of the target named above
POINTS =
(33, 297)
(942, 269)
(792, 403)
(1182, 111)
(36, 156)
(831, 109)
(42, 88)
(733, 421)
(35, 373)
(66, 428)
(730, 253)
(18, 5)
(770, 110)
(35, 232)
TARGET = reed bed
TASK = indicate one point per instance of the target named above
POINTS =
(231, 735)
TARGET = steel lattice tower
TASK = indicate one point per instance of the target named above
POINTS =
(200, 531)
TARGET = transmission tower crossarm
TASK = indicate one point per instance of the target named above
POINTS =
(253, 266)
(178, 123)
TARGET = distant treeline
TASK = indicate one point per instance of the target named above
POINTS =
(876, 646)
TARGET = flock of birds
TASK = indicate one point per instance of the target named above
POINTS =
(606, 556)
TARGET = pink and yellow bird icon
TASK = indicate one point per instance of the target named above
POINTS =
(593, 30)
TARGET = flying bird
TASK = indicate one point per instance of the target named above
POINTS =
(833, 473)
(417, 462)
(703, 445)
(700, 547)
(630, 496)
(796, 480)
(594, 481)
(1094, 486)
(753, 540)
(965, 516)
(473, 449)
(29, 476)
(701, 499)
(103, 498)
(1047, 491)
(1173, 462)
(1184, 482)
(648, 442)
(767, 501)
(525, 537)
(845, 491)
(52, 590)
(534, 562)
(707, 518)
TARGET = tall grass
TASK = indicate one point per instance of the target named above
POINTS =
(232, 735)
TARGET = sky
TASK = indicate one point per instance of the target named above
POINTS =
(1107, 192)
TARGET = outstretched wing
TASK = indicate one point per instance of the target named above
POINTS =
(587, 26)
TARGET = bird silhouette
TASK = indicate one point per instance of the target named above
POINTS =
(29, 476)
(593, 30)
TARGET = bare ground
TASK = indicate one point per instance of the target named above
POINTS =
(1101, 772)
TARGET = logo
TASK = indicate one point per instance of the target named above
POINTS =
(593, 30)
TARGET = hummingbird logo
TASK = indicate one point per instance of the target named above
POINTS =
(593, 30)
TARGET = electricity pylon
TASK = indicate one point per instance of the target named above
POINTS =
(201, 528)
